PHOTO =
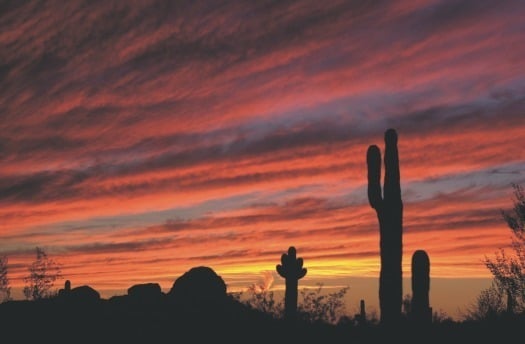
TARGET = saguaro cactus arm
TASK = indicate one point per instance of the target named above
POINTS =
(301, 272)
(291, 266)
(281, 270)
(373, 161)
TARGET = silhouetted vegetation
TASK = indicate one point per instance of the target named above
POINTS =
(316, 306)
(389, 209)
(5, 289)
(145, 315)
(43, 273)
(509, 270)
(488, 305)
(264, 301)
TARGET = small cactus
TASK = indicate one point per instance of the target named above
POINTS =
(362, 312)
(66, 291)
(291, 269)
(420, 308)
(361, 316)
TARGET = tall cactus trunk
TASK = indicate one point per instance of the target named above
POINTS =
(389, 209)
(290, 299)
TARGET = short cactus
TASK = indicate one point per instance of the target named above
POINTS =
(361, 316)
(291, 269)
(389, 209)
(67, 289)
(420, 309)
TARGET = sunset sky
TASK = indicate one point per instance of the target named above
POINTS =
(139, 139)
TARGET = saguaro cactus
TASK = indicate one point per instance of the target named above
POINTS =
(420, 309)
(361, 316)
(362, 311)
(67, 289)
(389, 209)
(291, 269)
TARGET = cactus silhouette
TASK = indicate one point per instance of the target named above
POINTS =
(420, 309)
(389, 209)
(291, 269)
(361, 317)
(67, 289)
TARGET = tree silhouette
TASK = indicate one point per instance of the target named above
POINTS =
(389, 209)
(4, 279)
(264, 301)
(43, 273)
(509, 270)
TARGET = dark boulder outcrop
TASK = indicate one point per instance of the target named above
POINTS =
(81, 294)
(84, 293)
(145, 291)
(198, 289)
(145, 294)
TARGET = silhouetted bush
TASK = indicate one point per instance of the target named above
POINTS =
(5, 289)
(318, 306)
(488, 305)
(264, 301)
(43, 273)
(509, 270)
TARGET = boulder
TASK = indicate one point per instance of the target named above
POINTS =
(84, 294)
(198, 289)
(145, 290)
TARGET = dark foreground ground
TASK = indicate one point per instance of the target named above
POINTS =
(133, 321)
